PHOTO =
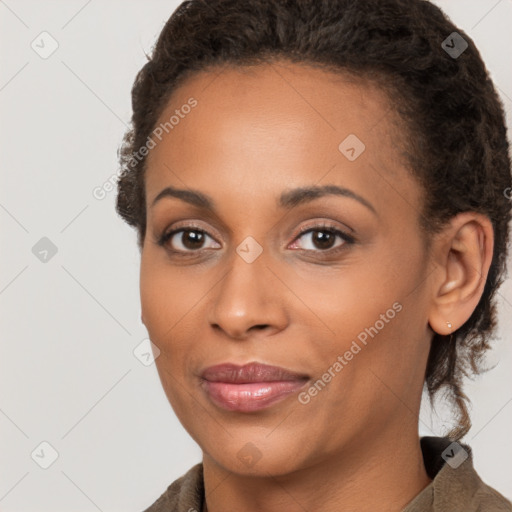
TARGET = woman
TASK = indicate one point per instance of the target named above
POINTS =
(319, 191)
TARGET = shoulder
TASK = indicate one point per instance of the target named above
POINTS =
(184, 495)
(455, 486)
(488, 499)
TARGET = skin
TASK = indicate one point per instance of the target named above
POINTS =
(255, 133)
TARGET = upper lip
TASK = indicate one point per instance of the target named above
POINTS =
(251, 372)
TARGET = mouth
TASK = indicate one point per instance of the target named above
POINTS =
(251, 387)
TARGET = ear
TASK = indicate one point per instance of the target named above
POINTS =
(462, 254)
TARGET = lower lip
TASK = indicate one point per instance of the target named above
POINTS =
(250, 396)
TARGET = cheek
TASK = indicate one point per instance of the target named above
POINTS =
(373, 321)
(166, 296)
(163, 306)
(364, 382)
(156, 302)
(350, 302)
(170, 300)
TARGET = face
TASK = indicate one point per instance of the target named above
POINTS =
(328, 284)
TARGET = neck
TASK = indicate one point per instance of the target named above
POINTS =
(382, 475)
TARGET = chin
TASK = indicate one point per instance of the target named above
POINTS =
(256, 455)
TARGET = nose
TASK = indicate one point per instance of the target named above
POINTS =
(247, 300)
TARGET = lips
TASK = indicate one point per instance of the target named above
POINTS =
(251, 387)
(252, 372)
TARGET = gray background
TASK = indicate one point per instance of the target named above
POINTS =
(68, 374)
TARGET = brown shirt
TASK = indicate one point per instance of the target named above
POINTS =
(455, 487)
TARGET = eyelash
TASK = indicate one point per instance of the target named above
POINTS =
(347, 239)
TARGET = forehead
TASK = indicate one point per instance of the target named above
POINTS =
(259, 129)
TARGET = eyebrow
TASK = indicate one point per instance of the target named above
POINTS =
(288, 199)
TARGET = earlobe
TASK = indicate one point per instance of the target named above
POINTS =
(463, 255)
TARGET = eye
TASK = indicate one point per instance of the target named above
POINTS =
(183, 240)
(322, 238)
(191, 239)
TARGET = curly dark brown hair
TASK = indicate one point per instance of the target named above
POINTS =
(454, 122)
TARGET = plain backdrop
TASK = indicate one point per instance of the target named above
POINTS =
(69, 298)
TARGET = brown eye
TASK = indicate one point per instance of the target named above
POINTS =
(322, 239)
(192, 239)
(186, 240)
